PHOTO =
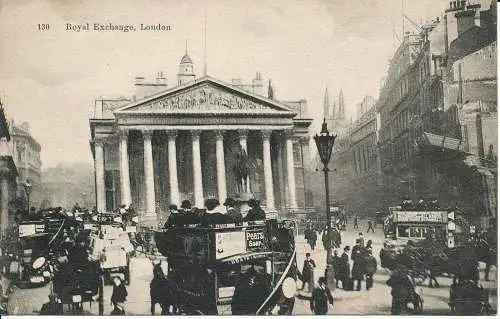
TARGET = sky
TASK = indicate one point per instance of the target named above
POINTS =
(50, 78)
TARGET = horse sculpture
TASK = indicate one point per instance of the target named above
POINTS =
(242, 169)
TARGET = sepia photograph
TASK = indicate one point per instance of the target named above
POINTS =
(245, 157)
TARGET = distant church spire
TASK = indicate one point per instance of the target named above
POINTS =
(341, 105)
(270, 91)
(334, 109)
(326, 104)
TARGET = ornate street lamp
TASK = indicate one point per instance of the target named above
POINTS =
(27, 188)
(324, 143)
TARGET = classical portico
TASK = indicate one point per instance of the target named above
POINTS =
(181, 144)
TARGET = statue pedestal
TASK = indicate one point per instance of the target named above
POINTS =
(244, 197)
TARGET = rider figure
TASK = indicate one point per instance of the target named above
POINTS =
(402, 289)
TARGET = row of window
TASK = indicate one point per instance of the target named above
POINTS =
(33, 156)
(403, 149)
(365, 158)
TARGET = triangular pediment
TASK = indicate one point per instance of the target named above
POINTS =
(206, 95)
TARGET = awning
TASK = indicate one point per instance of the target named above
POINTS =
(433, 144)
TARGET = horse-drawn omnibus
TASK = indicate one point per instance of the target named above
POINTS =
(440, 239)
(112, 247)
(416, 225)
(33, 243)
(208, 265)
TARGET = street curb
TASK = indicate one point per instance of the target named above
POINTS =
(304, 295)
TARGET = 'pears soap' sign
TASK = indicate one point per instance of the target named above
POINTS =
(254, 239)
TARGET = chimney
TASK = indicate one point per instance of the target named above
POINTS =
(257, 86)
(140, 87)
(465, 20)
(139, 80)
(161, 79)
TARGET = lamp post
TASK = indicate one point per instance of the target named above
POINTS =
(324, 143)
(27, 188)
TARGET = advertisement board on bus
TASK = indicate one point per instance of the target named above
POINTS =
(229, 244)
(421, 217)
(27, 230)
(254, 239)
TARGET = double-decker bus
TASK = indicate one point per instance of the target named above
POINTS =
(207, 264)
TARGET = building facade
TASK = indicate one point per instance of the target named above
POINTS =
(365, 105)
(366, 175)
(436, 106)
(355, 178)
(26, 154)
(341, 165)
(8, 176)
(179, 143)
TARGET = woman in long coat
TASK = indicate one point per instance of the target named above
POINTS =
(308, 272)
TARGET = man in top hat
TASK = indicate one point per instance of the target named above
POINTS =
(186, 206)
(256, 212)
(215, 213)
(344, 267)
(357, 267)
(233, 214)
(213, 206)
(172, 209)
(321, 297)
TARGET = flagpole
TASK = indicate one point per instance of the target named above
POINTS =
(205, 45)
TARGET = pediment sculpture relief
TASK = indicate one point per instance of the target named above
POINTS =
(202, 98)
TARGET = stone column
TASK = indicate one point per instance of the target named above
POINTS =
(197, 173)
(100, 190)
(281, 178)
(243, 142)
(290, 170)
(172, 169)
(4, 200)
(268, 175)
(124, 169)
(221, 167)
(149, 177)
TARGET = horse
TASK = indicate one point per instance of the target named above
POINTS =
(486, 251)
(162, 291)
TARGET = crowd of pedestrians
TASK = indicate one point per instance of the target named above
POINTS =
(364, 266)
(230, 212)
(352, 268)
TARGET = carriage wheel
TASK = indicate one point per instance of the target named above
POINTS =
(418, 305)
